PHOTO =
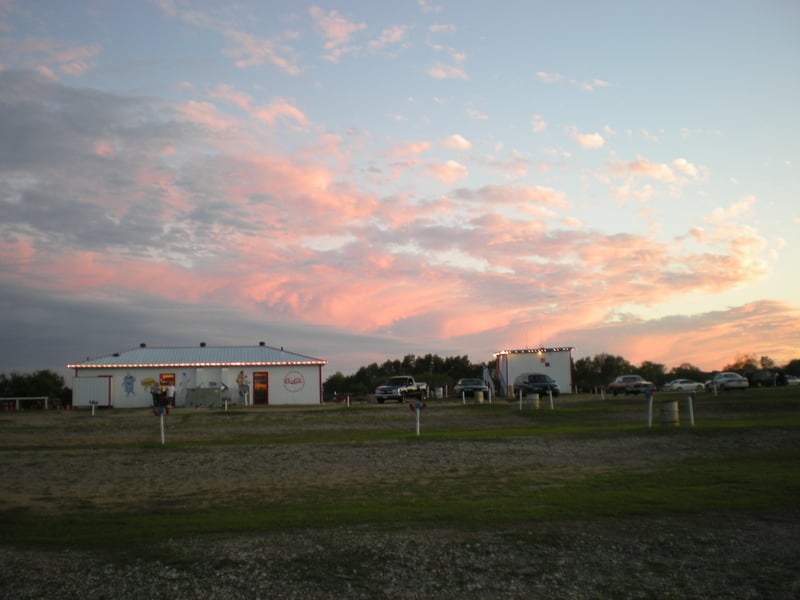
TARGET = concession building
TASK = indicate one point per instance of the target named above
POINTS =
(200, 376)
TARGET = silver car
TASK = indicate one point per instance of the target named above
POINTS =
(729, 380)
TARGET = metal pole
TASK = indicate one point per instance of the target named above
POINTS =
(417, 411)
(162, 428)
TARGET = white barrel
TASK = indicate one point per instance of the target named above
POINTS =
(478, 396)
(534, 399)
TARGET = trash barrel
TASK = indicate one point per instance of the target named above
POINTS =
(478, 397)
(534, 399)
(669, 413)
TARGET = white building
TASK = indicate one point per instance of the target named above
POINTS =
(555, 362)
(202, 376)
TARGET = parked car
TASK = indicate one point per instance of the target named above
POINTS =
(728, 380)
(762, 378)
(535, 383)
(469, 386)
(630, 384)
(684, 385)
(792, 380)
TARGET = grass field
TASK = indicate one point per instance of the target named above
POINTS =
(49, 506)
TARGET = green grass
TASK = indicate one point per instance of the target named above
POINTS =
(472, 500)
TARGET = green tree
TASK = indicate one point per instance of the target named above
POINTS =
(743, 362)
(655, 372)
(39, 383)
(793, 367)
(687, 371)
(600, 370)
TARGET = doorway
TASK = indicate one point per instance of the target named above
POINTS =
(260, 388)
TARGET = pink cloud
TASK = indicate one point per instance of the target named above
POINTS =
(658, 171)
(442, 71)
(457, 142)
(449, 171)
(251, 51)
(589, 141)
(391, 36)
(336, 29)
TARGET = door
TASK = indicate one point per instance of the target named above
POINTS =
(167, 382)
(260, 388)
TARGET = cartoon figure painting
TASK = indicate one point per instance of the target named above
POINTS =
(127, 384)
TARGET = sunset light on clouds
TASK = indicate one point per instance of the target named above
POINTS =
(358, 181)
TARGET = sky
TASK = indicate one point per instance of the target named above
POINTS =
(359, 180)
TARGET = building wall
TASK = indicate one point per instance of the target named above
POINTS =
(130, 387)
(555, 362)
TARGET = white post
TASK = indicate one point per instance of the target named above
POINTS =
(550, 391)
(348, 400)
(226, 404)
(490, 396)
(93, 403)
(520, 399)
(649, 410)
(162, 428)
(463, 397)
(602, 393)
(417, 411)
(691, 408)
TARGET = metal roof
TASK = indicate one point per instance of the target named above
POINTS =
(199, 356)
(535, 350)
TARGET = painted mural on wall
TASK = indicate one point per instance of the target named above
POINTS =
(294, 381)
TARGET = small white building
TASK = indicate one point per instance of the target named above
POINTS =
(555, 362)
(201, 375)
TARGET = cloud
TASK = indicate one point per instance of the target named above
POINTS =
(336, 30)
(548, 77)
(586, 86)
(589, 141)
(426, 6)
(538, 124)
(193, 216)
(449, 171)
(737, 209)
(390, 36)
(442, 71)
(249, 50)
(442, 28)
(456, 142)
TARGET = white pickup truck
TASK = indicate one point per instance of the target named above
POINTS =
(399, 388)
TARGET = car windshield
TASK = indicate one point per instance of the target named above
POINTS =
(471, 382)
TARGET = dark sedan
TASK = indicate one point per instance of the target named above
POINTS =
(470, 386)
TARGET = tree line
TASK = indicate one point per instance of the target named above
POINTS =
(39, 383)
(600, 370)
(431, 368)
